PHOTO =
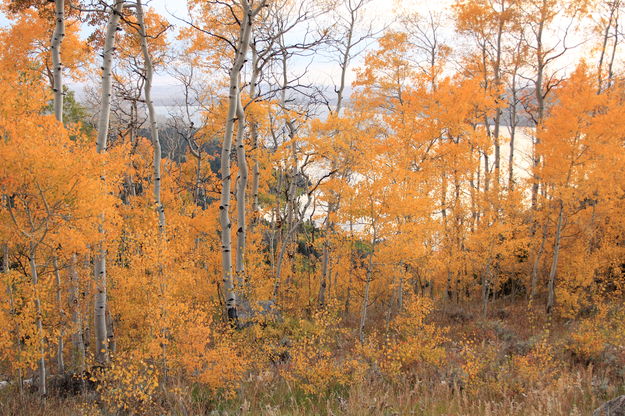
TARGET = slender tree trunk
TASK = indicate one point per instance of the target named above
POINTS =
(157, 182)
(365, 298)
(198, 179)
(536, 264)
(78, 345)
(59, 300)
(241, 195)
(513, 123)
(57, 66)
(400, 294)
(156, 142)
(324, 273)
(256, 145)
(497, 80)
(17, 341)
(614, 46)
(486, 287)
(333, 205)
(100, 328)
(41, 369)
(107, 76)
(100, 304)
(540, 103)
(604, 45)
(554, 265)
(226, 179)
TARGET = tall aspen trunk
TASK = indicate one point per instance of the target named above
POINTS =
(496, 129)
(78, 344)
(156, 143)
(157, 159)
(241, 196)
(290, 227)
(107, 76)
(551, 297)
(614, 47)
(365, 298)
(291, 221)
(57, 66)
(486, 290)
(334, 204)
(606, 34)
(536, 264)
(540, 104)
(255, 145)
(513, 124)
(100, 304)
(41, 365)
(17, 341)
(100, 328)
(226, 179)
(400, 294)
(321, 297)
(60, 361)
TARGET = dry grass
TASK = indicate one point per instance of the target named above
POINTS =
(573, 394)
(574, 388)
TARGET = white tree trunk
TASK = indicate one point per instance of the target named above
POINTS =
(365, 298)
(59, 300)
(57, 67)
(536, 264)
(101, 334)
(226, 179)
(107, 76)
(156, 143)
(241, 200)
(41, 370)
(78, 344)
(551, 297)
(100, 303)
(255, 144)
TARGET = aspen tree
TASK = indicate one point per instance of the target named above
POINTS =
(243, 42)
(100, 304)
(241, 190)
(78, 342)
(156, 143)
(57, 66)
(345, 44)
(60, 361)
(34, 274)
(33, 244)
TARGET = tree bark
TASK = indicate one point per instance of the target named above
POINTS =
(156, 143)
(226, 179)
(365, 299)
(100, 304)
(551, 297)
(41, 365)
(78, 344)
(540, 104)
(107, 77)
(18, 346)
(536, 264)
(256, 145)
(241, 195)
(57, 66)
(59, 300)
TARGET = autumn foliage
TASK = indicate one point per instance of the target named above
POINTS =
(440, 232)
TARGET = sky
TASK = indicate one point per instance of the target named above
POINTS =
(322, 71)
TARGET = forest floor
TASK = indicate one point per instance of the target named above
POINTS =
(515, 361)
